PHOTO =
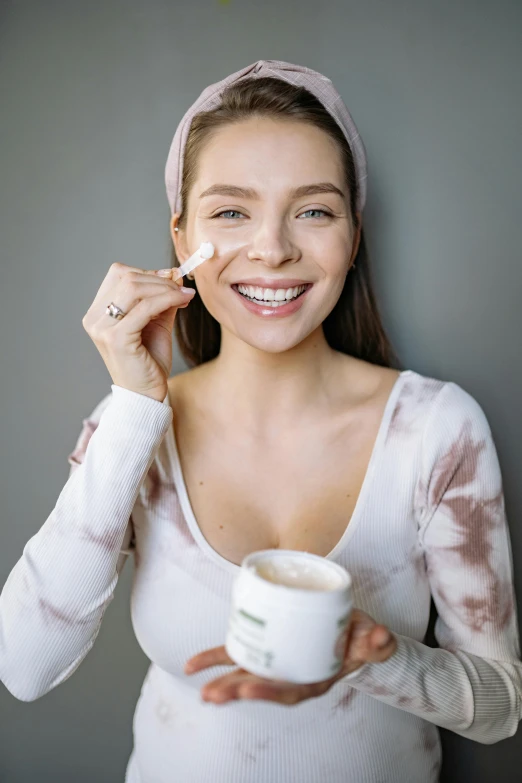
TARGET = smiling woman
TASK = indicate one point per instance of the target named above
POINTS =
(292, 431)
(277, 131)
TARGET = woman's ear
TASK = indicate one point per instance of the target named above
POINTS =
(178, 238)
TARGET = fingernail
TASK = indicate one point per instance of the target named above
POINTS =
(187, 290)
(164, 272)
(386, 641)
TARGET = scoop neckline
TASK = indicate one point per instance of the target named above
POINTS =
(357, 513)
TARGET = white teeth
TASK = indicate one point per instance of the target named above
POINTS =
(270, 295)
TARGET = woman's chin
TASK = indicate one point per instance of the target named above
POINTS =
(272, 340)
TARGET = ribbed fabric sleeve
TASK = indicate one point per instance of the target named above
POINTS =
(53, 601)
(472, 696)
(473, 683)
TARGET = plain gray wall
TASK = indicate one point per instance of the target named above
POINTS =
(90, 97)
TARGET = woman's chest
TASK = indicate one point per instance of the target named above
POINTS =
(297, 494)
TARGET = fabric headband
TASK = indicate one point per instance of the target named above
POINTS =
(315, 82)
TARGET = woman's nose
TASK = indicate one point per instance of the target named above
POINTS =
(272, 246)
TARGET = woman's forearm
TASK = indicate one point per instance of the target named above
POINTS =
(53, 601)
(475, 697)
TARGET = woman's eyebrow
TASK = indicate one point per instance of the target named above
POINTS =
(250, 193)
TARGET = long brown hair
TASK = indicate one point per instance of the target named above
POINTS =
(354, 326)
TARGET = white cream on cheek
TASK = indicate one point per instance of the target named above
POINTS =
(227, 250)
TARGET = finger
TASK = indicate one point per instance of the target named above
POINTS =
(176, 277)
(126, 286)
(172, 274)
(227, 686)
(115, 273)
(281, 692)
(216, 656)
(112, 282)
(241, 684)
(139, 316)
(381, 644)
(136, 288)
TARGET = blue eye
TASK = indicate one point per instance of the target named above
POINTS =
(322, 211)
(228, 212)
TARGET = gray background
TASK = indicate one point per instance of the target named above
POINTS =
(90, 96)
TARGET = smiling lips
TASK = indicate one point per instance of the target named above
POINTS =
(272, 297)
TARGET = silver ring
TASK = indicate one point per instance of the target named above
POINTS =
(114, 311)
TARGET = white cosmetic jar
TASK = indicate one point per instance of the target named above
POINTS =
(289, 616)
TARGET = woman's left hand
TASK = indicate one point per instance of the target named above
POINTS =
(367, 642)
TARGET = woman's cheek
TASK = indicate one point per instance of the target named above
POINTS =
(210, 292)
(331, 296)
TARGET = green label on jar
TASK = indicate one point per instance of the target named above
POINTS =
(248, 616)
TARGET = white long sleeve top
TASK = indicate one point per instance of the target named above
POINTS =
(429, 522)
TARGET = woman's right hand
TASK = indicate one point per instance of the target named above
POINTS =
(137, 349)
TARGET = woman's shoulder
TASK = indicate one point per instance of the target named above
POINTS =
(440, 399)
(444, 419)
(456, 449)
(185, 387)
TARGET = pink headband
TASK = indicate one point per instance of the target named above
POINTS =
(210, 98)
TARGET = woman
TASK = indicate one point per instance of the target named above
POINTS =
(291, 430)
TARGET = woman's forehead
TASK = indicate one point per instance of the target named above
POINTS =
(264, 158)
(267, 132)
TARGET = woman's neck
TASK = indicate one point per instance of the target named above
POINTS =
(261, 391)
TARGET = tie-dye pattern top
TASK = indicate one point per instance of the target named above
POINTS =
(429, 523)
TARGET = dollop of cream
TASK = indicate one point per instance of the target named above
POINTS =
(291, 573)
(206, 250)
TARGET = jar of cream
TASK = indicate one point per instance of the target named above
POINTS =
(289, 616)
